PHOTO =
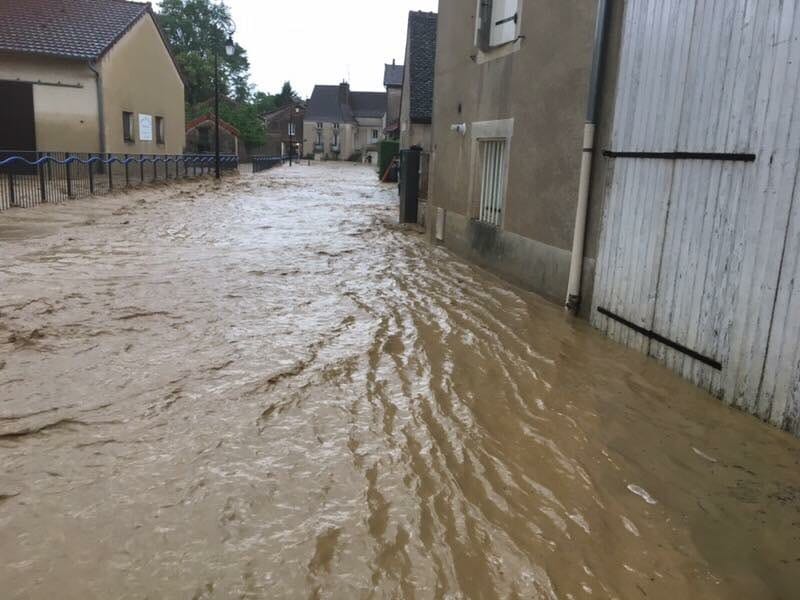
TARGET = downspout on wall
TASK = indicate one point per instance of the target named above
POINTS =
(573, 301)
(101, 120)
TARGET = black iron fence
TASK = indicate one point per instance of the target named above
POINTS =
(262, 163)
(31, 178)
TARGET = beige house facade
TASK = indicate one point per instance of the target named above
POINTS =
(94, 76)
(393, 82)
(343, 125)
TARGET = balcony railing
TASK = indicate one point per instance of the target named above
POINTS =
(335, 148)
(319, 147)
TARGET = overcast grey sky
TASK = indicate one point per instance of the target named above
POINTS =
(322, 41)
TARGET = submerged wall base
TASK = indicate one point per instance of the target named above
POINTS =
(531, 264)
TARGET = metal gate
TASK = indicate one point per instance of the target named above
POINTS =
(700, 248)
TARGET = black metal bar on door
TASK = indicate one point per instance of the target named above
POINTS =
(680, 155)
(656, 337)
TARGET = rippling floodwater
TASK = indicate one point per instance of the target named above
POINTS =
(268, 390)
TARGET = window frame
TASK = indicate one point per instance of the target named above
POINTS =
(128, 134)
(160, 130)
(501, 130)
(483, 32)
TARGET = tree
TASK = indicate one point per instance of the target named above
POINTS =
(265, 103)
(287, 95)
(195, 29)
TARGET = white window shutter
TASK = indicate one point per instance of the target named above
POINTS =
(504, 22)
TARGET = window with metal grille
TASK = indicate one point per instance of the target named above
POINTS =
(492, 183)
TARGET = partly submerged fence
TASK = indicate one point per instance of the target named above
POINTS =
(31, 178)
(262, 163)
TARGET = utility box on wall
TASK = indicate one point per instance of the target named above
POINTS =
(409, 184)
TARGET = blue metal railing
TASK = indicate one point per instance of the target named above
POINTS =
(190, 159)
(30, 178)
(262, 163)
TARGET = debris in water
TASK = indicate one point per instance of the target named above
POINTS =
(629, 525)
(642, 493)
(702, 454)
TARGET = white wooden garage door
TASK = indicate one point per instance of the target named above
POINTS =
(699, 260)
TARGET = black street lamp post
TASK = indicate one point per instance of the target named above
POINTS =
(296, 113)
(229, 50)
(292, 131)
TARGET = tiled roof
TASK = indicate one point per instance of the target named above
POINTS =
(368, 105)
(280, 112)
(324, 105)
(393, 75)
(329, 104)
(421, 63)
(80, 29)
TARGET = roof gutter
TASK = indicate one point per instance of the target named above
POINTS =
(101, 120)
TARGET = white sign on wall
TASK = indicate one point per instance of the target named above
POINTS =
(145, 128)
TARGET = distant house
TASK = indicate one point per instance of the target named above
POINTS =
(200, 136)
(88, 76)
(340, 124)
(393, 82)
(416, 111)
(284, 130)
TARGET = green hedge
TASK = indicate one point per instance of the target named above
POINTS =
(387, 150)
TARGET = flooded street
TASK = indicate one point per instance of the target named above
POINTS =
(267, 389)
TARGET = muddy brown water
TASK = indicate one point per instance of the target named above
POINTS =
(267, 389)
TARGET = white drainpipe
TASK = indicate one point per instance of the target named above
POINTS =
(101, 121)
(579, 237)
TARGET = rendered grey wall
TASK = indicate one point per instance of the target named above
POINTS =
(543, 87)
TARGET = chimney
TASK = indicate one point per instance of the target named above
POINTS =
(393, 62)
(344, 93)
